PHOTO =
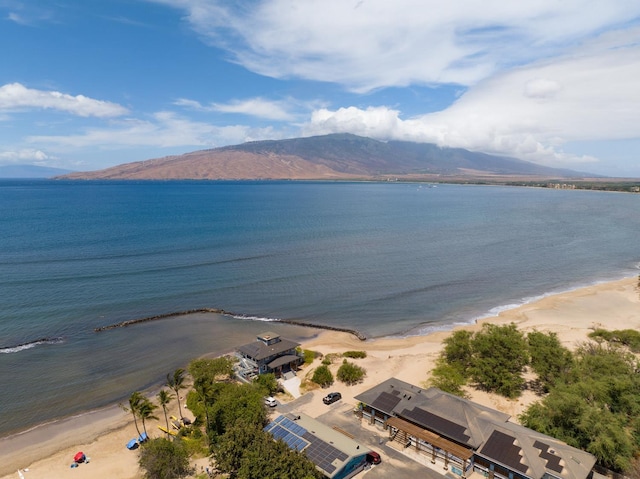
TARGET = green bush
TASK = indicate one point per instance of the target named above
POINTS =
(309, 356)
(322, 376)
(626, 337)
(500, 354)
(164, 459)
(268, 382)
(449, 378)
(350, 373)
(355, 354)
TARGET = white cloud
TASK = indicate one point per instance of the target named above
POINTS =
(376, 43)
(542, 88)
(257, 107)
(374, 122)
(24, 155)
(15, 96)
(529, 112)
(17, 18)
(164, 130)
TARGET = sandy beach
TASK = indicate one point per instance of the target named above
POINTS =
(48, 450)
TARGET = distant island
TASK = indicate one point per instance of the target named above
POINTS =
(353, 158)
(30, 171)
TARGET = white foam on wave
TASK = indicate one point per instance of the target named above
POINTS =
(255, 318)
(18, 348)
(23, 347)
(532, 299)
(495, 311)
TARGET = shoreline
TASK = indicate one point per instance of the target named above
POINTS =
(103, 432)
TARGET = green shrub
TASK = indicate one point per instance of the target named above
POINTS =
(449, 378)
(350, 373)
(626, 337)
(161, 458)
(355, 354)
(268, 382)
(322, 376)
(309, 356)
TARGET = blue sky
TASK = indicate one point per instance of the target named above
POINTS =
(87, 84)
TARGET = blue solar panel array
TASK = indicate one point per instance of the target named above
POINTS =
(288, 431)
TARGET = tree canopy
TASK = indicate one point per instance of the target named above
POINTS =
(499, 355)
(595, 407)
(164, 459)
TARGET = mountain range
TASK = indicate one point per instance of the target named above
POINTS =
(331, 157)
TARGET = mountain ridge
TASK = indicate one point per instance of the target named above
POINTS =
(329, 157)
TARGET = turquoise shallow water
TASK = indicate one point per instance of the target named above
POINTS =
(383, 258)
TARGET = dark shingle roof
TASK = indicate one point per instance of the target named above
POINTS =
(257, 350)
(477, 427)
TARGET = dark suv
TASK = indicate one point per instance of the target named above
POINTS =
(331, 398)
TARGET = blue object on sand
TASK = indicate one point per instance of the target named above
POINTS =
(143, 437)
(132, 444)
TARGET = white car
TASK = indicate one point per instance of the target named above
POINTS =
(270, 401)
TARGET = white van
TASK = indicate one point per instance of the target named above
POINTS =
(270, 401)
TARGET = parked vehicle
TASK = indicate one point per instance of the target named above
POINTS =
(270, 401)
(331, 398)
(373, 457)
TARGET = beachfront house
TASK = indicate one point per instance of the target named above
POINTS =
(464, 436)
(270, 353)
(334, 454)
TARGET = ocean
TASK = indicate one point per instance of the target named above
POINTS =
(386, 259)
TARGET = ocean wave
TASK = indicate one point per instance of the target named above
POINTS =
(255, 318)
(31, 344)
(495, 311)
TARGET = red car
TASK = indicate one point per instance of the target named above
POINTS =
(373, 457)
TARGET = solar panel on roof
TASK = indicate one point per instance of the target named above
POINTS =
(323, 454)
(437, 423)
(501, 448)
(553, 461)
(288, 431)
(385, 402)
(280, 432)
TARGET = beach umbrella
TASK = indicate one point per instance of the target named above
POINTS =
(79, 457)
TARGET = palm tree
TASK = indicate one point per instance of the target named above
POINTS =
(135, 400)
(204, 391)
(164, 398)
(145, 411)
(176, 382)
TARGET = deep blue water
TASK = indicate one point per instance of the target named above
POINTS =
(383, 258)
